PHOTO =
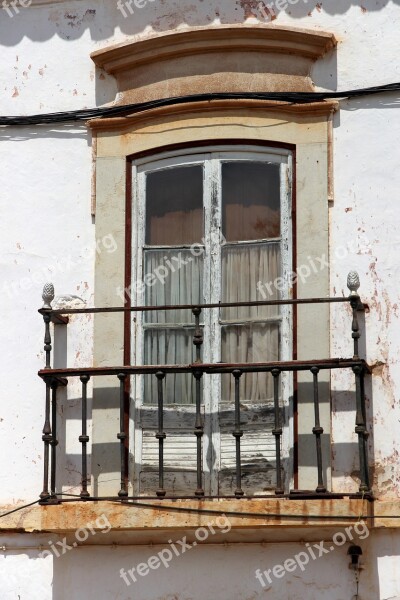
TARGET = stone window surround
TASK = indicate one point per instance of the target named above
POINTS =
(306, 128)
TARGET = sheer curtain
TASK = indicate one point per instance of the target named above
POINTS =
(249, 334)
(171, 340)
(254, 334)
(174, 217)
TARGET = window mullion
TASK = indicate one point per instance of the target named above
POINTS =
(286, 350)
(138, 214)
(138, 294)
(214, 197)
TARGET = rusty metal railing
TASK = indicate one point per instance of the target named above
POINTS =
(55, 378)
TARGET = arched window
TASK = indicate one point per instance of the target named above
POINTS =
(210, 225)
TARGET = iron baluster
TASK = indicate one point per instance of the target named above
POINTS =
(198, 334)
(47, 438)
(122, 436)
(84, 438)
(54, 441)
(361, 429)
(198, 428)
(199, 432)
(366, 434)
(277, 432)
(238, 434)
(318, 431)
(160, 435)
(47, 339)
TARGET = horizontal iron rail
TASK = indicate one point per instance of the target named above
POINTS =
(297, 365)
(293, 495)
(117, 309)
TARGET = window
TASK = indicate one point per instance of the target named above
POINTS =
(213, 58)
(208, 226)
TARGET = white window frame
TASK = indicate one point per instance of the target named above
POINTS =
(212, 158)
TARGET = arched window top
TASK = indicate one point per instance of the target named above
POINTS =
(215, 59)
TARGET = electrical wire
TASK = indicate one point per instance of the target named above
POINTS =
(206, 510)
(195, 510)
(10, 512)
(139, 504)
(119, 111)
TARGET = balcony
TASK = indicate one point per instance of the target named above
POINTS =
(279, 486)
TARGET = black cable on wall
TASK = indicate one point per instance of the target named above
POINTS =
(129, 109)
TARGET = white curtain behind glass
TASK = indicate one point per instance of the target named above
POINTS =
(242, 268)
(173, 343)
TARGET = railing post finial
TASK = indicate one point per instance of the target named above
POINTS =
(353, 283)
(48, 295)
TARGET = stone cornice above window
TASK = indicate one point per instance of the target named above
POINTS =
(215, 59)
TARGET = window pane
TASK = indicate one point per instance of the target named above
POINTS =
(169, 346)
(172, 277)
(174, 206)
(248, 344)
(245, 269)
(250, 201)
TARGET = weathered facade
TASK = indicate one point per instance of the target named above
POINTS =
(276, 461)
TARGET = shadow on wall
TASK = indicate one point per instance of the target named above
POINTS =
(217, 571)
(258, 471)
(71, 19)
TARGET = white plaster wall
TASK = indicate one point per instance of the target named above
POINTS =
(212, 573)
(365, 210)
(23, 574)
(46, 171)
(46, 223)
(45, 175)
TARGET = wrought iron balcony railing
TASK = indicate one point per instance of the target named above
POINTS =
(55, 378)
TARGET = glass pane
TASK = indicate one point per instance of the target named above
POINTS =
(172, 277)
(248, 344)
(174, 206)
(170, 346)
(250, 201)
(245, 269)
